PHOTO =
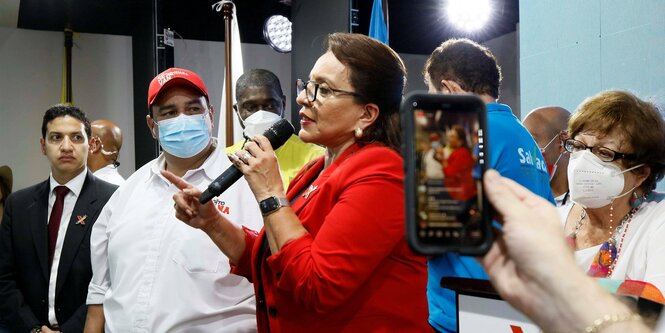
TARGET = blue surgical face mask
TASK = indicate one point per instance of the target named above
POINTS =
(185, 136)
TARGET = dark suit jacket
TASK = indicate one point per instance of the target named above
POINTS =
(24, 273)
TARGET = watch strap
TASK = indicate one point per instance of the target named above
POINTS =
(272, 204)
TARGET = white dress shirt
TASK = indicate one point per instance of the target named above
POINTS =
(109, 174)
(74, 186)
(154, 273)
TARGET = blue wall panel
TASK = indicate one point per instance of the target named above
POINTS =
(572, 49)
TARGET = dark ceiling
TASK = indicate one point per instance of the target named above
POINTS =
(416, 26)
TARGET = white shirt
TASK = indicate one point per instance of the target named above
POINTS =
(560, 199)
(640, 257)
(154, 273)
(74, 186)
(109, 174)
(433, 168)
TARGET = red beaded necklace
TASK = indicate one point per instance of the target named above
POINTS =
(605, 260)
(625, 224)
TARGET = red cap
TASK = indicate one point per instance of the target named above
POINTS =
(171, 77)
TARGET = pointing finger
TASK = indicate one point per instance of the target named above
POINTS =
(175, 180)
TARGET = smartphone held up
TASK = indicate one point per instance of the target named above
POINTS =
(446, 154)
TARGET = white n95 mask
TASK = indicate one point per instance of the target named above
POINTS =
(259, 122)
(594, 183)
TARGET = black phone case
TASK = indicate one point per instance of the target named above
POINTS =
(424, 100)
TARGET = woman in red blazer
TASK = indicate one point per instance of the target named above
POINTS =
(457, 168)
(332, 256)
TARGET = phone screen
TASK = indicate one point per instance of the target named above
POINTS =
(444, 178)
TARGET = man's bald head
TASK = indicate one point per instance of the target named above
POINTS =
(109, 133)
(546, 122)
(109, 138)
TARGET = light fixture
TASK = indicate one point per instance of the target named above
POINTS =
(468, 15)
(277, 33)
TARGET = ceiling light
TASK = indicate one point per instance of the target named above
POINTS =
(468, 15)
(277, 33)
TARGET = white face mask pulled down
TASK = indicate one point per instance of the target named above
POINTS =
(551, 169)
(259, 122)
(594, 183)
(555, 166)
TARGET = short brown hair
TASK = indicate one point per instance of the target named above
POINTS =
(471, 65)
(461, 135)
(638, 121)
(378, 76)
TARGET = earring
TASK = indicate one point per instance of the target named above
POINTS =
(633, 199)
(636, 201)
(358, 133)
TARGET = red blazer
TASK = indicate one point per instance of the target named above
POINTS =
(458, 174)
(353, 272)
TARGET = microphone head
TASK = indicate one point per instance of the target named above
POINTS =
(279, 133)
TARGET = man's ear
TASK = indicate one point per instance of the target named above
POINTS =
(563, 136)
(452, 86)
(42, 145)
(212, 114)
(95, 145)
(151, 126)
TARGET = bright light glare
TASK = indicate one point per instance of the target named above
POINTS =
(277, 32)
(469, 15)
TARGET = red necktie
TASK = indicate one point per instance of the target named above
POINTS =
(54, 220)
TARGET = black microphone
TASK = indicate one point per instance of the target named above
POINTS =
(277, 134)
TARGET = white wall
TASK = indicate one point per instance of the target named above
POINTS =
(31, 81)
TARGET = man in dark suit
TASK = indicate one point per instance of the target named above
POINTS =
(45, 234)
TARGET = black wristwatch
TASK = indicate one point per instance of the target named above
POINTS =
(36, 330)
(272, 204)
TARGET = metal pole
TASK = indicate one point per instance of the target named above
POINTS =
(227, 10)
(68, 65)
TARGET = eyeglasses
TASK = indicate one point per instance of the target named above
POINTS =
(605, 154)
(312, 89)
